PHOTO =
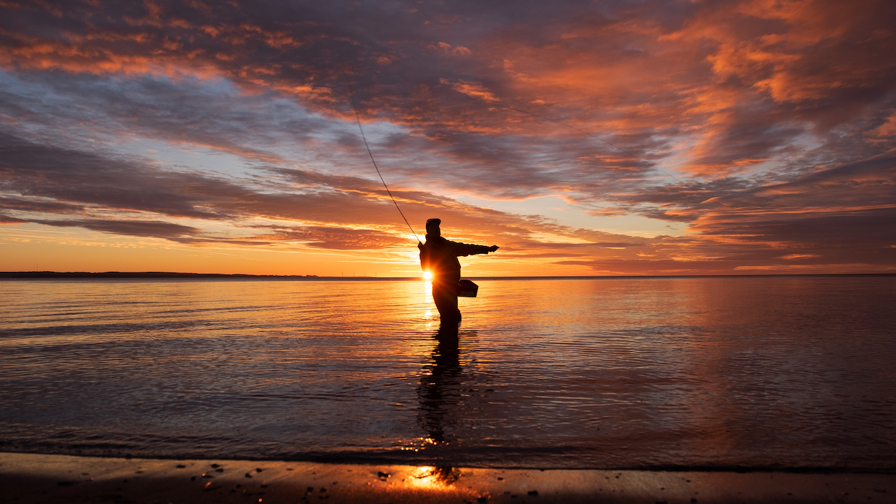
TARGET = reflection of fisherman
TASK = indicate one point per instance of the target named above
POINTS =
(440, 385)
(439, 257)
(441, 397)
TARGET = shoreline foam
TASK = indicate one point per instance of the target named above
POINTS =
(35, 478)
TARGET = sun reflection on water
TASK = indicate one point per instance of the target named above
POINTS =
(432, 477)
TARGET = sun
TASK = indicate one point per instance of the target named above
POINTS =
(427, 276)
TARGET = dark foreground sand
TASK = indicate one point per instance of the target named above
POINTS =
(27, 478)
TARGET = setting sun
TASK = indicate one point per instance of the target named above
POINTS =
(427, 276)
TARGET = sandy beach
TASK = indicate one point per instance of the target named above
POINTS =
(33, 479)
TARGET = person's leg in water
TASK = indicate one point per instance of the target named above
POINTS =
(446, 302)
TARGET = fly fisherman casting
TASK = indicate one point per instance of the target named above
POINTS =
(439, 257)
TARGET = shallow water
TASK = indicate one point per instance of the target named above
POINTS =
(759, 372)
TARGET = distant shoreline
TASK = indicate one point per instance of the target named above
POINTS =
(57, 275)
(137, 274)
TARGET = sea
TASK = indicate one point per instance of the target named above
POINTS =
(703, 373)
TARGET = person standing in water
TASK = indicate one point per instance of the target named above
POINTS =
(439, 257)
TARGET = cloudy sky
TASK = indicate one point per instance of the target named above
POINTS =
(614, 137)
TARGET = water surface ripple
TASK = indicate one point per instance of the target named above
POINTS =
(758, 372)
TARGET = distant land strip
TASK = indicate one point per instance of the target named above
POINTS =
(139, 274)
(13, 275)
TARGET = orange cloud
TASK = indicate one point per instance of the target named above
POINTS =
(472, 89)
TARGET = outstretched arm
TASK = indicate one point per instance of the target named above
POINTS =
(463, 249)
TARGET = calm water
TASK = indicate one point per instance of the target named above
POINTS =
(790, 372)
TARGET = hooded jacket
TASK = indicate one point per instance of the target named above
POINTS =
(439, 256)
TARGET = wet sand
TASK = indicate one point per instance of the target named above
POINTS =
(30, 478)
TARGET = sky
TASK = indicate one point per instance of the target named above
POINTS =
(583, 138)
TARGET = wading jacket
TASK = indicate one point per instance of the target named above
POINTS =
(439, 256)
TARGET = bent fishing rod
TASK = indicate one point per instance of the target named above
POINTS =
(369, 153)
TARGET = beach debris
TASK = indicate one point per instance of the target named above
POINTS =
(180, 466)
(500, 478)
(220, 470)
(533, 493)
(248, 475)
(208, 485)
(483, 499)
(215, 466)
(258, 470)
(207, 476)
(383, 475)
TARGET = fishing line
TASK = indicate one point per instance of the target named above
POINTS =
(358, 118)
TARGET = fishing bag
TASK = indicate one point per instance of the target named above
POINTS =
(467, 288)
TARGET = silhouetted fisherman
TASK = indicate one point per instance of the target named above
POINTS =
(439, 257)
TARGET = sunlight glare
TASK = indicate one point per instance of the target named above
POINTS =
(434, 478)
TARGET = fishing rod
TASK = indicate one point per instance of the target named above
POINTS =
(358, 118)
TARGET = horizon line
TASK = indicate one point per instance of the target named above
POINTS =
(186, 275)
